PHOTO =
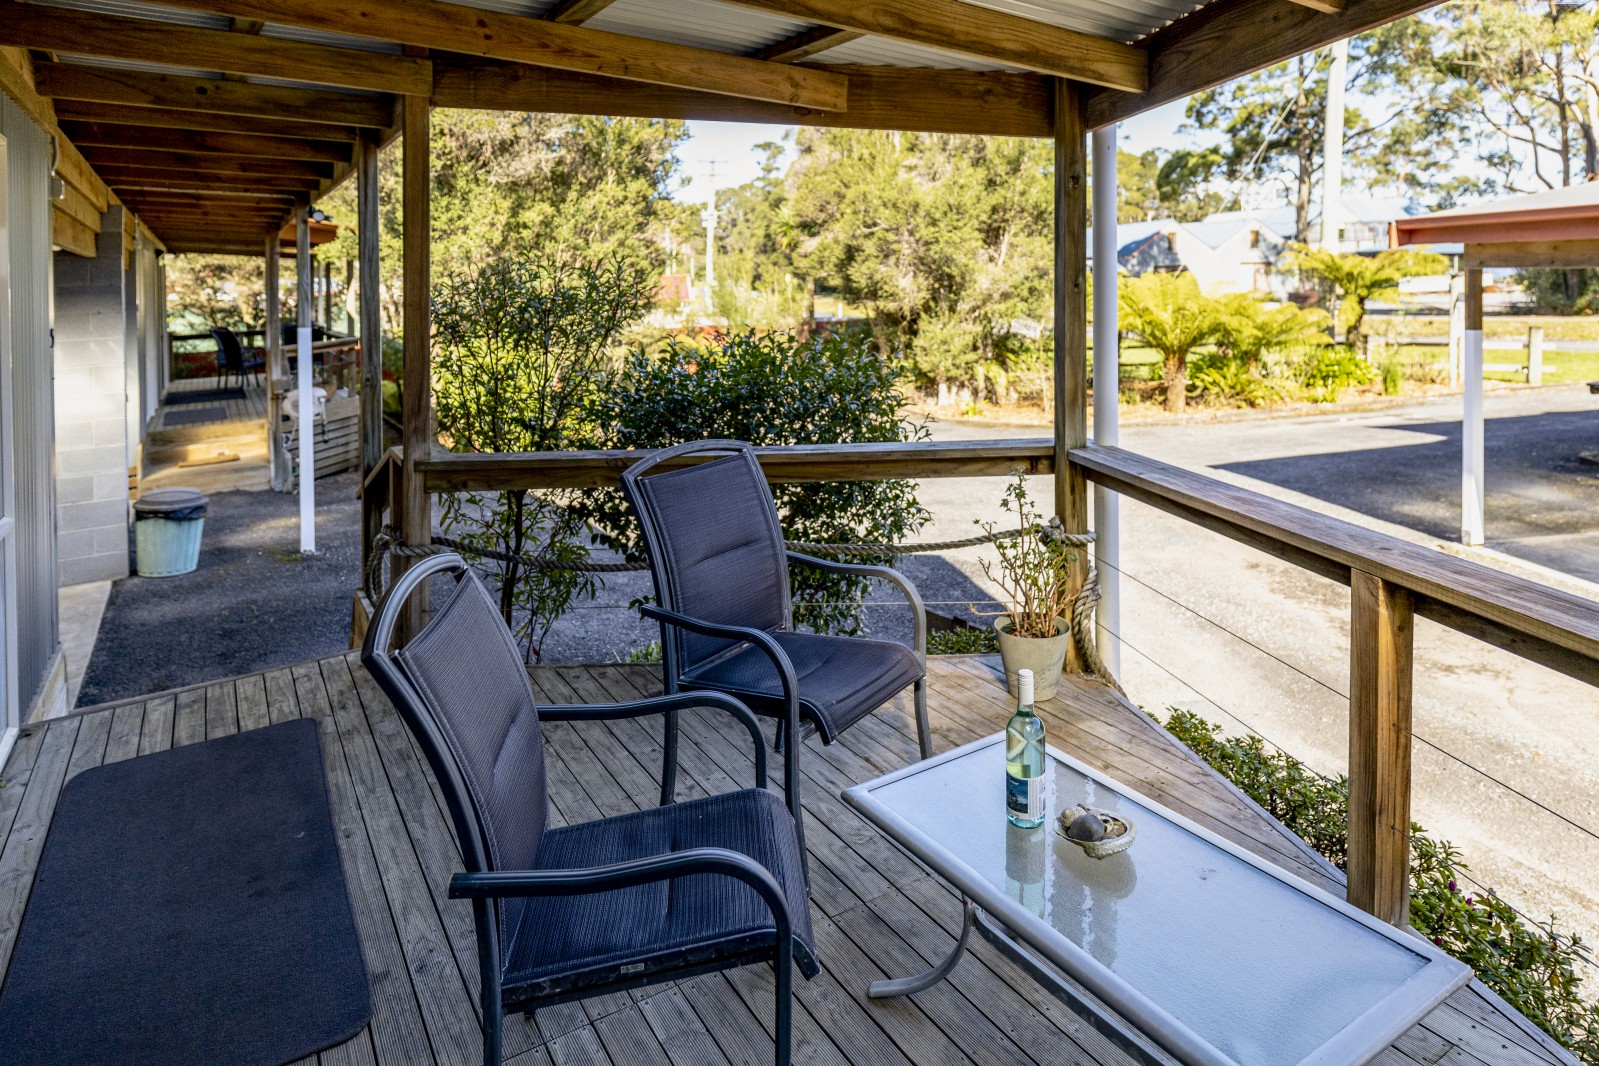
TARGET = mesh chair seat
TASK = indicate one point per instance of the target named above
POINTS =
(566, 943)
(841, 679)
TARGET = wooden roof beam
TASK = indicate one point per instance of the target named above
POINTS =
(139, 138)
(103, 115)
(1227, 39)
(519, 39)
(805, 44)
(113, 37)
(885, 98)
(979, 32)
(205, 164)
(577, 12)
(213, 96)
(120, 178)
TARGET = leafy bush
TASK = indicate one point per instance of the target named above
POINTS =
(521, 349)
(1224, 380)
(1393, 377)
(1170, 315)
(1531, 964)
(963, 640)
(772, 389)
(1329, 372)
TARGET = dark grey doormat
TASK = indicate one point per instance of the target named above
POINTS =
(194, 416)
(174, 399)
(189, 908)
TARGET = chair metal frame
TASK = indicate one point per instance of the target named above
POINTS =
(670, 618)
(485, 887)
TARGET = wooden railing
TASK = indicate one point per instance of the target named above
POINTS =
(1391, 582)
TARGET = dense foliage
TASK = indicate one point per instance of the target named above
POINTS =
(1359, 279)
(1537, 968)
(772, 389)
(523, 347)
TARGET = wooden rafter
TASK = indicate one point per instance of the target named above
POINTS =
(979, 32)
(1329, 7)
(210, 95)
(805, 44)
(159, 118)
(577, 12)
(436, 25)
(120, 178)
(138, 138)
(200, 163)
(113, 37)
(938, 101)
(1226, 39)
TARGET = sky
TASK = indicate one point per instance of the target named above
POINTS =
(720, 155)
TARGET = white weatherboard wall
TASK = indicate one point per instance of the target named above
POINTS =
(93, 305)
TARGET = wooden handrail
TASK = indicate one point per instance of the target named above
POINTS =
(1534, 621)
(452, 472)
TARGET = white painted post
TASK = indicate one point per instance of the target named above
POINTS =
(1472, 461)
(307, 419)
(1535, 355)
(1107, 393)
(1457, 325)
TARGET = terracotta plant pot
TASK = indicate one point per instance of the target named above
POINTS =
(1044, 656)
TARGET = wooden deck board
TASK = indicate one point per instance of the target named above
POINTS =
(877, 912)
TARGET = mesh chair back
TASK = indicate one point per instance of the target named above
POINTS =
(715, 545)
(229, 350)
(467, 673)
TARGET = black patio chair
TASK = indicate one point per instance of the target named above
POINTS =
(605, 906)
(233, 360)
(722, 598)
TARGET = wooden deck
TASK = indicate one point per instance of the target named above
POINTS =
(251, 407)
(230, 427)
(876, 911)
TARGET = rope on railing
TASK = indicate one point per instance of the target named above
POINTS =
(388, 541)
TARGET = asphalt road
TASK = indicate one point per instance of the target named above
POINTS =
(1251, 642)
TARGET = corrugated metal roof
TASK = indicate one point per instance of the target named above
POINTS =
(1122, 20)
(130, 9)
(700, 23)
(881, 52)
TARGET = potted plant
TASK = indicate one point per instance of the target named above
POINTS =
(1034, 574)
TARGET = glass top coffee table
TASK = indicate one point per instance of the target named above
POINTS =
(1211, 955)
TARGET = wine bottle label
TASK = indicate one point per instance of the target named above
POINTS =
(1024, 796)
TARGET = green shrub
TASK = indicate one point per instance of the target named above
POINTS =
(773, 389)
(1531, 964)
(649, 653)
(1224, 380)
(963, 640)
(1327, 373)
(522, 346)
(1393, 377)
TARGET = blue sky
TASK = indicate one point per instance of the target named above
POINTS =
(728, 148)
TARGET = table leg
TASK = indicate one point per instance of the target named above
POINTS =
(905, 986)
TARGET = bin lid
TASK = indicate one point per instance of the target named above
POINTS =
(176, 503)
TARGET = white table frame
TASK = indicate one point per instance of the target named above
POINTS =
(1115, 1006)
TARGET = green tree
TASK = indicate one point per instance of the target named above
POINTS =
(1170, 315)
(1249, 331)
(524, 346)
(943, 240)
(1362, 278)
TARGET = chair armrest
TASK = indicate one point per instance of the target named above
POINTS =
(676, 701)
(758, 637)
(723, 861)
(884, 573)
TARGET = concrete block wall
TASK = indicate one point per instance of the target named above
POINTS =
(92, 458)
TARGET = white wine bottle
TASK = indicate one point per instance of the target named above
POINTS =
(1024, 759)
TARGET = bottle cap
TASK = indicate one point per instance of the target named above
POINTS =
(1024, 686)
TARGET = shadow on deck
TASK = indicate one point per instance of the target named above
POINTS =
(876, 911)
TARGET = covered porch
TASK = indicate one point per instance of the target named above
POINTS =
(876, 911)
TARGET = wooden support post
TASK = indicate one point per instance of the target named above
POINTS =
(1535, 355)
(371, 325)
(275, 370)
(414, 506)
(1381, 630)
(1071, 314)
(1473, 476)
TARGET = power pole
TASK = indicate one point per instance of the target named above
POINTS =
(708, 218)
(1332, 163)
